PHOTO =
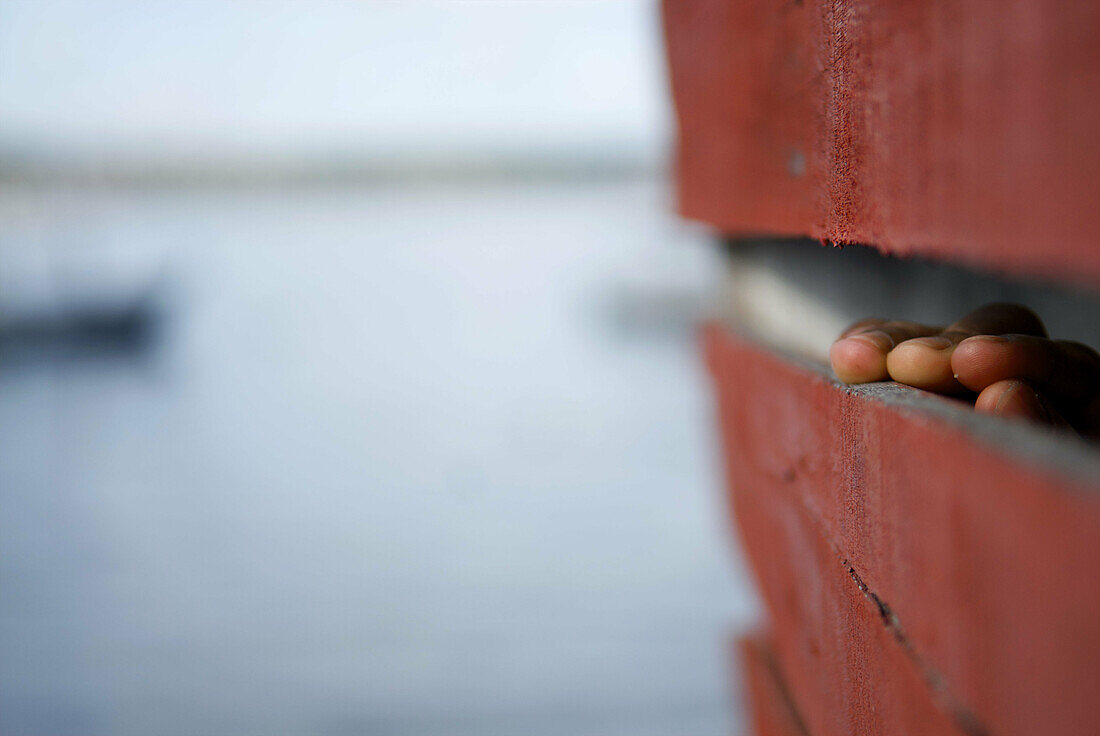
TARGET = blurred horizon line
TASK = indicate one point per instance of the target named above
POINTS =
(35, 168)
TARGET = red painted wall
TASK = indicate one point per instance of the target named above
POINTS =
(986, 562)
(968, 130)
(773, 714)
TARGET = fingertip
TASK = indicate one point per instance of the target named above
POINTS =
(1002, 318)
(923, 362)
(864, 325)
(858, 359)
(979, 361)
(1015, 399)
(978, 341)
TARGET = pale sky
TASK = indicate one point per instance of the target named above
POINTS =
(405, 78)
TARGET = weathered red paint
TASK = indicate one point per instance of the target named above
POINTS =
(773, 714)
(961, 129)
(988, 563)
(846, 672)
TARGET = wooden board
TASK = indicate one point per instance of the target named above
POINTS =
(967, 130)
(973, 542)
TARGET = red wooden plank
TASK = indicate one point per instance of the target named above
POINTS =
(960, 129)
(846, 671)
(773, 713)
(988, 560)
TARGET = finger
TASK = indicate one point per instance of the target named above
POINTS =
(925, 362)
(1017, 399)
(999, 319)
(862, 326)
(859, 356)
(1068, 373)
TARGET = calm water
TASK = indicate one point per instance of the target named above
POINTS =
(417, 461)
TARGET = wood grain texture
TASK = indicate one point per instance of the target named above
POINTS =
(978, 563)
(965, 130)
(773, 713)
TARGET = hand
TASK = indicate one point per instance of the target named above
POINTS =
(1000, 352)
